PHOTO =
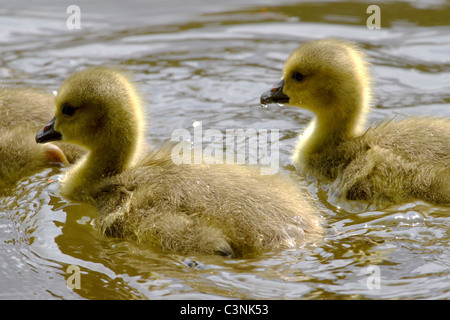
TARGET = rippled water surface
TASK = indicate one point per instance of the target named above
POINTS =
(209, 61)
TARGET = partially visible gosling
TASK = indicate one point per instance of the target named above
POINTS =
(393, 162)
(29, 109)
(22, 112)
(208, 209)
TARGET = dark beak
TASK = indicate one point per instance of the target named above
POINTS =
(48, 133)
(275, 95)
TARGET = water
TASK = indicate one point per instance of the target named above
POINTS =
(210, 61)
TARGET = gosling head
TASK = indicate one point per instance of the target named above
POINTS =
(328, 77)
(95, 108)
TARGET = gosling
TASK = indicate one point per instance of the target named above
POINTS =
(393, 162)
(22, 112)
(204, 209)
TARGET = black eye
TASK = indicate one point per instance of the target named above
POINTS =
(68, 110)
(297, 76)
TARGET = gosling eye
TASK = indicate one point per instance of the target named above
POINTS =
(68, 110)
(297, 76)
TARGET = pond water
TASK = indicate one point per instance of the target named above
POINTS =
(209, 61)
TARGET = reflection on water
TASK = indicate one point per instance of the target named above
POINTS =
(209, 62)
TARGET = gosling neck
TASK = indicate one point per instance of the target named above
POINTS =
(328, 129)
(117, 154)
(109, 160)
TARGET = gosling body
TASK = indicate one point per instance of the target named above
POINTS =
(392, 162)
(207, 209)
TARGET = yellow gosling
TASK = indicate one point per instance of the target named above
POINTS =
(207, 209)
(392, 162)
(22, 112)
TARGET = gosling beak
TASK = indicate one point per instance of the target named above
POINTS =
(48, 133)
(275, 95)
